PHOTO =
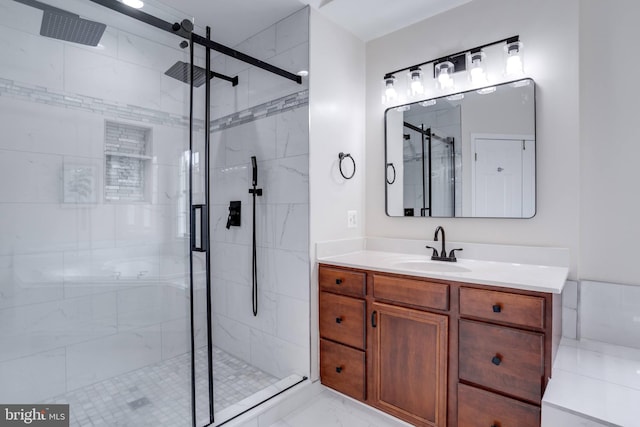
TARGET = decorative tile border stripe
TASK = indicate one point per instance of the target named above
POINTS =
(270, 108)
(90, 104)
(135, 113)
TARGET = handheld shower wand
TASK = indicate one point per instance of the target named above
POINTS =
(254, 274)
(254, 166)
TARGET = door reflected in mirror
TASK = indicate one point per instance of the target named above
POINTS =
(470, 154)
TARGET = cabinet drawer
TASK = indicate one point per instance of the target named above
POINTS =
(342, 281)
(502, 307)
(415, 292)
(342, 319)
(502, 358)
(342, 368)
(483, 409)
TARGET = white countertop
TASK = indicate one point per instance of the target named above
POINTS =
(539, 278)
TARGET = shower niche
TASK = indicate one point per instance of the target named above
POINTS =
(127, 154)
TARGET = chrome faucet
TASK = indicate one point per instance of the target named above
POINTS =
(443, 252)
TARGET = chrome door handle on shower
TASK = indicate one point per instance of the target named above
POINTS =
(199, 228)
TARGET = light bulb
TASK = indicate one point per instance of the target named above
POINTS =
(444, 71)
(416, 87)
(445, 80)
(477, 75)
(390, 93)
(428, 103)
(486, 90)
(476, 70)
(514, 66)
(136, 4)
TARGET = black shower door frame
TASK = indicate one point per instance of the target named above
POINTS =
(200, 211)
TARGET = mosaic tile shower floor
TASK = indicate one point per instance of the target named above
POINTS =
(160, 394)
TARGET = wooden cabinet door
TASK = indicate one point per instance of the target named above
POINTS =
(410, 364)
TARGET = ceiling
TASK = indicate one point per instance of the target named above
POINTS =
(233, 21)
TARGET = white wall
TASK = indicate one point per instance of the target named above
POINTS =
(336, 97)
(549, 30)
(609, 148)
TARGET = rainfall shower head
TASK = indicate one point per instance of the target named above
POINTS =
(62, 25)
(182, 71)
(71, 28)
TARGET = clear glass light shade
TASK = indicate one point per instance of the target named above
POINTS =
(477, 73)
(389, 92)
(444, 73)
(514, 59)
(415, 83)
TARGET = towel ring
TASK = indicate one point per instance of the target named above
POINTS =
(343, 156)
(394, 173)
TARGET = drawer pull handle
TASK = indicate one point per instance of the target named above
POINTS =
(338, 319)
(496, 360)
(374, 322)
(497, 308)
(338, 281)
(338, 369)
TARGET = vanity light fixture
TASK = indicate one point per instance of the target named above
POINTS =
(390, 93)
(416, 86)
(471, 60)
(428, 103)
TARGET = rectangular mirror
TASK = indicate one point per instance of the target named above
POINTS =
(471, 154)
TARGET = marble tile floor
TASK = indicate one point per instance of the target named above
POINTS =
(331, 409)
(160, 394)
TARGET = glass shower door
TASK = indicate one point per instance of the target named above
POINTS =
(94, 216)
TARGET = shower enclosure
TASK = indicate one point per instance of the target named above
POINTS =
(431, 165)
(122, 293)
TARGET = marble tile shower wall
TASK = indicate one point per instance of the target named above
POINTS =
(80, 280)
(277, 340)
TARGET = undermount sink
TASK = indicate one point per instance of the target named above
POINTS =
(423, 265)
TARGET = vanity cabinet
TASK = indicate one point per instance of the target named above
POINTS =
(409, 357)
(503, 356)
(343, 331)
(436, 352)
